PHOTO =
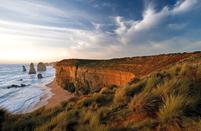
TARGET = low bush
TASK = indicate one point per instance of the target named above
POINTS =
(172, 108)
(167, 100)
(108, 90)
(70, 87)
(91, 122)
(85, 102)
(125, 93)
(96, 98)
(102, 99)
(145, 103)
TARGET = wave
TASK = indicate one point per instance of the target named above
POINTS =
(22, 99)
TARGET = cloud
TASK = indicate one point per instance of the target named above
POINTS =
(71, 42)
(42, 30)
(177, 27)
(122, 28)
(183, 6)
(151, 20)
(38, 40)
(43, 12)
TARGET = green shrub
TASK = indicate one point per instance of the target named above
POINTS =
(174, 70)
(166, 88)
(50, 125)
(95, 89)
(152, 81)
(171, 112)
(168, 100)
(69, 87)
(144, 125)
(198, 73)
(145, 103)
(102, 99)
(108, 90)
(96, 98)
(120, 96)
(91, 122)
(86, 102)
(2, 117)
(104, 114)
(125, 93)
(185, 69)
(82, 88)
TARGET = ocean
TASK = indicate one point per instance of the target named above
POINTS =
(30, 92)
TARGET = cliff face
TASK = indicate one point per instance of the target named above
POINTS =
(96, 74)
(86, 77)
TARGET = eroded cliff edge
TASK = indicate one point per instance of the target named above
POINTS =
(84, 75)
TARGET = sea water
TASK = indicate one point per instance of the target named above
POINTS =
(22, 99)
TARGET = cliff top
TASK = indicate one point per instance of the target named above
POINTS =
(140, 65)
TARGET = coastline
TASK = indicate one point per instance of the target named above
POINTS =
(52, 97)
(58, 95)
(43, 100)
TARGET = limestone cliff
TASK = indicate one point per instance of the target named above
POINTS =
(86, 77)
(95, 74)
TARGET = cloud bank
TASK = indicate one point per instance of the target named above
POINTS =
(35, 30)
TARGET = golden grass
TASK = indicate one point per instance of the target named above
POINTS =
(168, 99)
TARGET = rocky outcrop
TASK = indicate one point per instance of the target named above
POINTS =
(32, 69)
(40, 76)
(24, 68)
(41, 67)
(17, 86)
(89, 75)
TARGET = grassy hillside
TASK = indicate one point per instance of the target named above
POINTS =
(140, 65)
(165, 100)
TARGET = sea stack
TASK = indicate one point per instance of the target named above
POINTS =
(39, 76)
(24, 68)
(32, 69)
(41, 67)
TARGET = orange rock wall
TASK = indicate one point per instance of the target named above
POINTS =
(100, 73)
(92, 77)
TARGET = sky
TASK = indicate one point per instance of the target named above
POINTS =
(52, 30)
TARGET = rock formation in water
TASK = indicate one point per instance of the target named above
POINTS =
(41, 67)
(32, 69)
(24, 68)
(17, 86)
(40, 76)
(89, 75)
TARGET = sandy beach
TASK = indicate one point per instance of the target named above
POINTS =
(53, 97)
(59, 95)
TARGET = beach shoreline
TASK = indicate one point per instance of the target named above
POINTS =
(54, 95)
(59, 95)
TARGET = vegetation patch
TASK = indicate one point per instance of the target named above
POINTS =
(164, 100)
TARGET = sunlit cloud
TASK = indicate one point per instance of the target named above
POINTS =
(22, 41)
(135, 30)
(50, 31)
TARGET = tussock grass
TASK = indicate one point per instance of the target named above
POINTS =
(144, 125)
(108, 90)
(172, 107)
(120, 95)
(145, 103)
(90, 120)
(169, 100)
(97, 99)
(50, 125)
(125, 93)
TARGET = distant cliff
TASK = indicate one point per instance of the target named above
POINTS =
(90, 75)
